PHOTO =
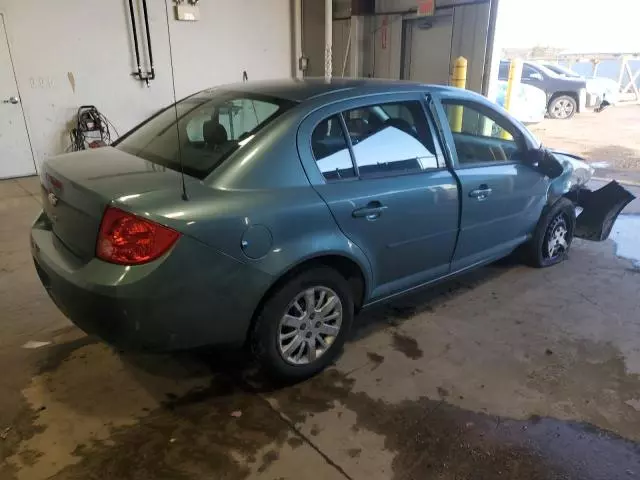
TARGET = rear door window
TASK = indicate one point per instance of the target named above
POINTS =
(331, 151)
(391, 139)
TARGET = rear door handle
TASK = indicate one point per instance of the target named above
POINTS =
(372, 211)
(482, 192)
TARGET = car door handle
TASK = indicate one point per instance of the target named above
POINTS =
(482, 192)
(372, 211)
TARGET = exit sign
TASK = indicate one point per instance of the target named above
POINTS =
(426, 8)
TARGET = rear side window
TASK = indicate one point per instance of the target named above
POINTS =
(391, 139)
(331, 151)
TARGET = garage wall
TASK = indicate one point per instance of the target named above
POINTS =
(80, 52)
(469, 40)
(470, 27)
(313, 36)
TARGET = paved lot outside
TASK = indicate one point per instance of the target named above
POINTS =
(509, 372)
(612, 136)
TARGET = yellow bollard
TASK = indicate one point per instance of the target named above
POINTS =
(459, 80)
(515, 74)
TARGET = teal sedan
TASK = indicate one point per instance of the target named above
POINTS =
(269, 214)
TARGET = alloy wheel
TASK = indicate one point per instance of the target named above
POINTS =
(310, 325)
(563, 109)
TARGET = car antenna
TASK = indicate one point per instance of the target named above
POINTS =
(185, 197)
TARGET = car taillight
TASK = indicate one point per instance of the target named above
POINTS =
(127, 239)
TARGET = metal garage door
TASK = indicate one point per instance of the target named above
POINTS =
(427, 49)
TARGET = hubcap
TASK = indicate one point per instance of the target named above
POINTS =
(557, 237)
(310, 325)
(563, 109)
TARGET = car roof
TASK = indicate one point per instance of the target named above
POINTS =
(312, 88)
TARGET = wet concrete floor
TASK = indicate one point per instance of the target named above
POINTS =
(508, 372)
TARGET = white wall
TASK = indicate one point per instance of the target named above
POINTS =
(73, 52)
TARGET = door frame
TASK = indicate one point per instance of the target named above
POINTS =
(3, 17)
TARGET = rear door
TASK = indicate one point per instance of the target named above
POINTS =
(502, 198)
(375, 162)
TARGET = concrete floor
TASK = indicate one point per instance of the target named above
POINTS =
(509, 372)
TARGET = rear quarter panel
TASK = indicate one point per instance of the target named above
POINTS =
(261, 195)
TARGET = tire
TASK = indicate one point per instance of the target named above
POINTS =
(553, 220)
(562, 107)
(271, 352)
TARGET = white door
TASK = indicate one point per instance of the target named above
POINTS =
(16, 158)
(427, 55)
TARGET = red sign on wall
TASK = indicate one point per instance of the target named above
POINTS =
(426, 7)
(383, 32)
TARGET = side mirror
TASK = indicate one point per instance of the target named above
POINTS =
(545, 162)
(536, 76)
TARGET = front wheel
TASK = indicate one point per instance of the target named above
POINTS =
(553, 235)
(563, 107)
(303, 324)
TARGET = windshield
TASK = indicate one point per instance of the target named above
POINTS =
(560, 70)
(211, 126)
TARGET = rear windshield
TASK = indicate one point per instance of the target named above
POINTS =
(211, 126)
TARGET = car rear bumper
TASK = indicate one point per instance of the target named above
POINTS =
(191, 297)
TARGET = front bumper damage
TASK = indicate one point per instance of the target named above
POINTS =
(600, 209)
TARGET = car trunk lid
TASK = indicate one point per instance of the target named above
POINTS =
(77, 188)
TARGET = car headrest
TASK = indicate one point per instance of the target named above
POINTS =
(400, 124)
(357, 126)
(214, 133)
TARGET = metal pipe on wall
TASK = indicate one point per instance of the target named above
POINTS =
(152, 74)
(135, 39)
(328, 38)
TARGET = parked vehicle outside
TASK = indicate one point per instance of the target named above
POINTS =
(599, 88)
(528, 103)
(268, 214)
(565, 96)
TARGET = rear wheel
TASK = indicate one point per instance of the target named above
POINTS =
(303, 324)
(563, 107)
(553, 236)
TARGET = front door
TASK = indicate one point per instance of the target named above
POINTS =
(16, 158)
(375, 163)
(502, 198)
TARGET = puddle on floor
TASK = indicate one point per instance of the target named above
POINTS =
(626, 234)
